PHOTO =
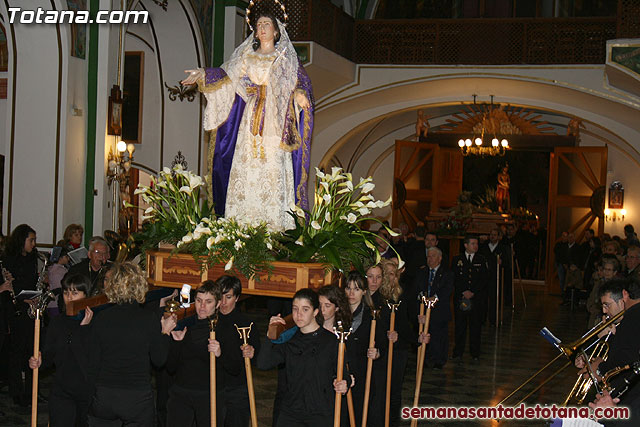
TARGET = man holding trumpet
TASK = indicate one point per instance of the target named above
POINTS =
(624, 345)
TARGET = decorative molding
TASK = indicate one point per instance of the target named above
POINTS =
(182, 92)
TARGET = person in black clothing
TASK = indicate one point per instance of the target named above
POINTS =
(435, 279)
(561, 255)
(189, 396)
(310, 359)
(230, 351)
(358, 350)
(470, 296)
(125, 340)
(96, 266)
(65, 347)
(404, 335)
(624, 346)
(21, 261)
(493, 250)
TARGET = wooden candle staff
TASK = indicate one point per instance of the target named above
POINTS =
(213, 321)
(342, 337)
(420, 330)
(367, 384)
(429, 303)
(36, 355)
(244, 336)
(387, 406)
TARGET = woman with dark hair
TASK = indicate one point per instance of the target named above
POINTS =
(65, 347)
(260, 103)
(21, 260)
(230, 351)
(358, 350)
(334, 307)
(310, 359)
(125, 340)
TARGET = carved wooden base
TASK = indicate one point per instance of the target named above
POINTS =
(166, 270)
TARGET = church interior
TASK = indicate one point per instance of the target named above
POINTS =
(471, 115)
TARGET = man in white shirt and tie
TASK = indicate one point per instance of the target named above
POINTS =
(435, 279)
(471, 276)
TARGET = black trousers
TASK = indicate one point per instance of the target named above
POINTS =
(186, 406)
(114, 407)
(438, 347)
(472, 321)
(234, 407)
(68, 410)
(377, 411)
(290, 419)
(20, 349)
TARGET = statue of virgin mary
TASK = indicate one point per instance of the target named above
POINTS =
(260, 105)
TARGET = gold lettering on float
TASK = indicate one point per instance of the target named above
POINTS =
(181, 270)
(278, 278)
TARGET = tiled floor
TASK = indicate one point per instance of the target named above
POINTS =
(510, 355)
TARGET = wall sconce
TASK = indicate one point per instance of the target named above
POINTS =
(615, 206)
(118, 167)
(614, 215)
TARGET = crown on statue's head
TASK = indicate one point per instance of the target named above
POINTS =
(258, 7)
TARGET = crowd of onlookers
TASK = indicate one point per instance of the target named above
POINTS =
(584, 266)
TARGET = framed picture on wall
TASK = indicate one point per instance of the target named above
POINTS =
(133, 89)
(114, 125)
(616, 195)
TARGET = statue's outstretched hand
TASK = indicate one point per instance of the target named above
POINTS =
(194, 76)
(302, 101)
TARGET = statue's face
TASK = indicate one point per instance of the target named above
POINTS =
(265, 29)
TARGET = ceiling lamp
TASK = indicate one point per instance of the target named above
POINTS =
(490, 125)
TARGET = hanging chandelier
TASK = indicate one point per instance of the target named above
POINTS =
(489, 126)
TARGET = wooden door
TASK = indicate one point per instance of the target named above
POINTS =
(577, 188)
(426, 178)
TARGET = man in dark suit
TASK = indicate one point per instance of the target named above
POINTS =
(493, 250)
(95, 266)
(435, 279)
(471, 276)
(416, 255)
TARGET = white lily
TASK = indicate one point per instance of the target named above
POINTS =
(372, 205)
(187, 238)
(186, 189)
(315, 225)
(210, 242)
(146, 217)
(351, 218)
(381, 204)
(393, 233)
(369, 245)
(327, 217)
(269, 246)
(344, 190)
(162, 184)
(299, 241)
(149, 210)
(325, 185)
(326, 198)
(238, 244)
(400, 263)
(195, 181)
(335, 171)
(320, 174)
(368, 187)
(229, 264)
(141, 190)
(364, 211)
(166, 170)
(200, 228)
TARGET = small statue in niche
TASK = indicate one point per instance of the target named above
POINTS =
(422, 126)
(573, 128)
(502, 191)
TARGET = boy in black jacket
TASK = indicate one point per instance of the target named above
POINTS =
(189, 395)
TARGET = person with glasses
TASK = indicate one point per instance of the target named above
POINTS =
(94, 267)
(632, 259)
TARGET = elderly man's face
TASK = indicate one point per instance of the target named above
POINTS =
(98, 256)
(433, 259)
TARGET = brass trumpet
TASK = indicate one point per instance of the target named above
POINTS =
(569, 351)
